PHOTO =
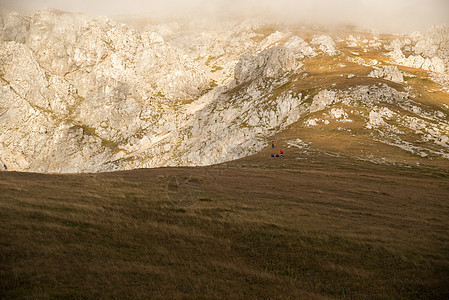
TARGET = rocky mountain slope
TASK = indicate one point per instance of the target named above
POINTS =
(81, 94)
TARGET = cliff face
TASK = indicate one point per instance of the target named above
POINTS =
(83, 87)
(80, 94)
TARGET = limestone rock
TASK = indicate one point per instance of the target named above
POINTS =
(14, 27)
(434, 43)
(325, 44)
(272, 40)
(389, 72)
(270, 63)
(375, 119)
(322, 100)
(299, 47)
(430, 51)
(81, 94)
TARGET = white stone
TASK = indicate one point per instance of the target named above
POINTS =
(325, 44)
(388, 72)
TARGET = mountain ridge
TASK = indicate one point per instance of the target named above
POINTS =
(83, 94)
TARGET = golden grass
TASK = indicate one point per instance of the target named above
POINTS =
(325, 227)
(317, 223)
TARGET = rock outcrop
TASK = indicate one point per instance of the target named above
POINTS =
(391, 116)
(231, 121)
(389, 72)
(429, 51)
(271, 63)
(81, 94)
(325, 44)
(322, 100)
(86, 87)
(300, 47)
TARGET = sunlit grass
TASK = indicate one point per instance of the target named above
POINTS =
(201, 232)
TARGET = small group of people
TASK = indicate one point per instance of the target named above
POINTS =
(281, 153)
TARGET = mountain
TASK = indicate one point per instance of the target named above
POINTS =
(82, 94)
(355, 206)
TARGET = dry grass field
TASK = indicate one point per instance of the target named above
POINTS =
(306, 225)
(344, 216)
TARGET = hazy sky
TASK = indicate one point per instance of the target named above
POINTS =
(394, 15)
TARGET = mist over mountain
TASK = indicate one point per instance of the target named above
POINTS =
(400, 16)
(224, 149)
(87, 94)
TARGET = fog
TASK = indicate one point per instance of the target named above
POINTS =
(399, 16)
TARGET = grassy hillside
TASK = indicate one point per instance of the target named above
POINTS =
(345, 213)
(307, 225)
